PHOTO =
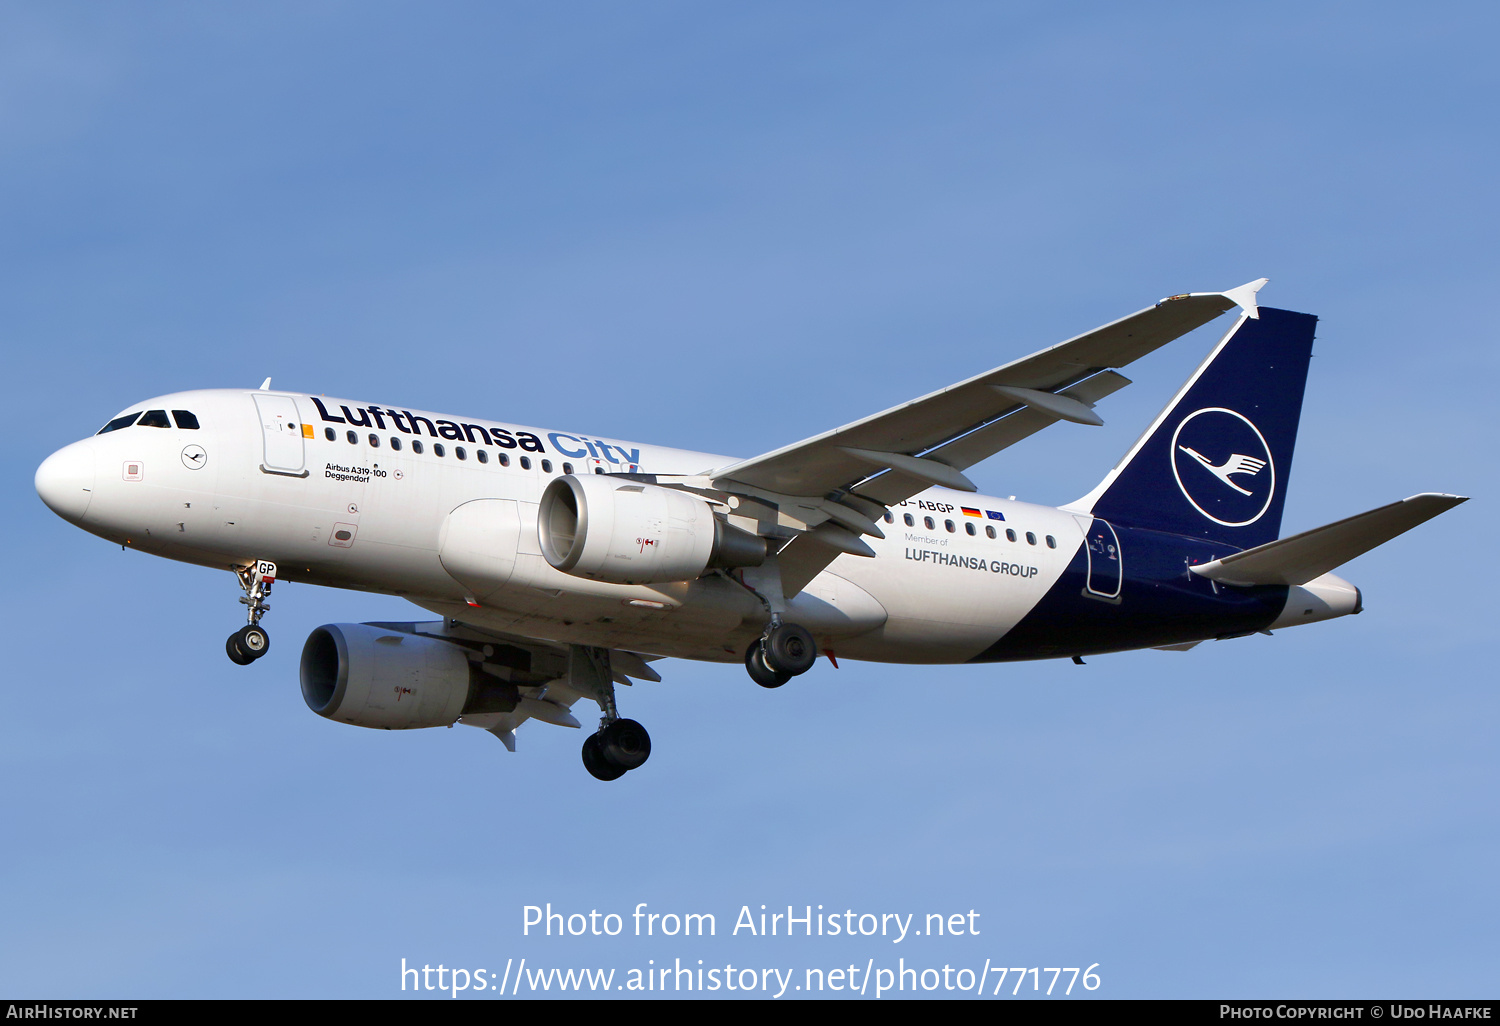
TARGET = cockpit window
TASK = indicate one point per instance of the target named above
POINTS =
(185, 420)
(154, 418)
(119, 422)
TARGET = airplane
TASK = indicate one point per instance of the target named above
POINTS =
(563, 563)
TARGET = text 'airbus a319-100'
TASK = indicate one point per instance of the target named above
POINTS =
(563, 564)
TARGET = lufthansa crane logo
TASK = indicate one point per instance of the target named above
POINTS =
(1224, 467)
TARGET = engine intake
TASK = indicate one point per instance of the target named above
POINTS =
(609, 529)
(374, 677)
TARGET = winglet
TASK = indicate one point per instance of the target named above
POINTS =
(265, 386)
(1244, 297)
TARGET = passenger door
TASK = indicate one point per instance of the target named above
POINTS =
(281, 426)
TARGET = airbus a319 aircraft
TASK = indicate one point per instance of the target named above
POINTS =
(563, 564)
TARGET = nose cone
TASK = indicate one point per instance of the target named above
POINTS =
(65, 480)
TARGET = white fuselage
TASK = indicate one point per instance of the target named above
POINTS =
(260, 478)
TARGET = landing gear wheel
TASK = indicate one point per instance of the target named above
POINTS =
(624, 744)
(254, 641)
(595, 763)
(236, 654)
(759, 671)
(789, 649)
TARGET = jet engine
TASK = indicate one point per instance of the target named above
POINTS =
(608, 529)
(369, 676)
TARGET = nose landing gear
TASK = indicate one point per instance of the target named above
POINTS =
(251, 642)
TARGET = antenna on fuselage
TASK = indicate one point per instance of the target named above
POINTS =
(265, 386)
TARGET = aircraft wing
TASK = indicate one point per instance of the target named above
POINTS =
(1054, 384)
(850, 474)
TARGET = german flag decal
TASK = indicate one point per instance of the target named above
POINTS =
(971, 512)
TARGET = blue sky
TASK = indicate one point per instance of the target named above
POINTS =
(725, 228)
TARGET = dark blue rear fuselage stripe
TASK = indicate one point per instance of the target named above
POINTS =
(1160, 603)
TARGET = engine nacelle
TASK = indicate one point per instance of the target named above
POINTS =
(612, 529)
(373, 677)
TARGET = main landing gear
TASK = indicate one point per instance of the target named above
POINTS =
(620, 745)
(251, 641)
(783, 652)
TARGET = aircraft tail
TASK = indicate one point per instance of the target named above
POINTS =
(1215, 462)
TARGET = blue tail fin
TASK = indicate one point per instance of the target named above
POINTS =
(1216, 462)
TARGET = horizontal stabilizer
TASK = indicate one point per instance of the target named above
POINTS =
(1311, 554)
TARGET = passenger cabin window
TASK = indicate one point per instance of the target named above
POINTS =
(438, 449)
(546, 466)
(989, 531)
(525, 462)
(353, 438)
(395, 443)
(374, 440)
(460, 452)
(504, 459)
(1010, 535)
(1051, 542)
(949, 525)
(416, 446)
(481, 456)
(185, 420)
(910, 522)
(330, 434)
(567, 468)
(154, 418)
(970, 528)
(119, 422)
(928, 522)
(890, 517)
(1030, 538)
